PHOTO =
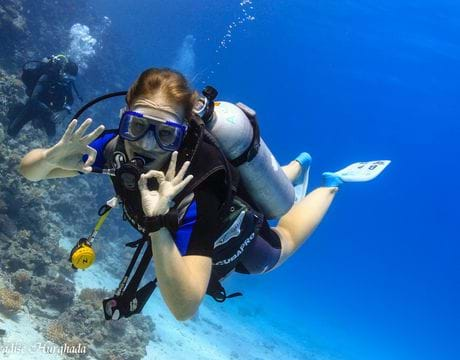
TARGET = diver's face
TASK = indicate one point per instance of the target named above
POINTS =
(147, 146)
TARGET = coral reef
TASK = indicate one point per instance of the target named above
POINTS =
(34, 216)
(57, 333)
(10, 301)
(82, 323)
(57, 293)
(22, 280)
(12, 24)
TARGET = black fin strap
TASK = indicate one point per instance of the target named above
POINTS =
(253, 147)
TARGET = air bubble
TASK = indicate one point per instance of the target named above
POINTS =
(245, 15)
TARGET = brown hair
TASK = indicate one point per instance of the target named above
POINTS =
(172, 85)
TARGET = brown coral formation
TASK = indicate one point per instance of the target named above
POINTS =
(22, 280)
(57, 333)
(83, 323)
(10, 301)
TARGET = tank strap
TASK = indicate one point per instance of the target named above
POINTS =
(253, 147)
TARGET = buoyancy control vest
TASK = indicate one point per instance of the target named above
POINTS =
(239, 222)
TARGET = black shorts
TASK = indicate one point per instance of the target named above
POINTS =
(262, 254)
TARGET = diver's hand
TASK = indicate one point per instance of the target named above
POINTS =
(158, 202)
(68, 152)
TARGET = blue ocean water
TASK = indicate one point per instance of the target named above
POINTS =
(346, 81)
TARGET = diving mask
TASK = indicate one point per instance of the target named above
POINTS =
(168, 134)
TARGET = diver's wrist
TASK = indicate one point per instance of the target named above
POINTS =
(159, 234)
(46, 159)
(169, 221)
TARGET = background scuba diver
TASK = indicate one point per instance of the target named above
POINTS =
(49, 85)
(159, 123)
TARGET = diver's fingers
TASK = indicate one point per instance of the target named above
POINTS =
(142, 183)
(92, 153)
(81, 130)
(178, 188)
(68, 132)
(172, 167)
(180, 175)
(93, 135)
(154, 174)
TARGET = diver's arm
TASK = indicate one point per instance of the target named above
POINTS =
(183, 281)
(34, 167)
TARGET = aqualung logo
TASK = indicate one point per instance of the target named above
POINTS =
(238, 253)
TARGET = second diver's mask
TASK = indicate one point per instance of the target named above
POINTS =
(148, 131)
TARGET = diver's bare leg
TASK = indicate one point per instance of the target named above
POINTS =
(292, 170)
(295, 227)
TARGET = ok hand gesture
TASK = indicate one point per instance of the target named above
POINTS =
(158, 202)
(68, 152)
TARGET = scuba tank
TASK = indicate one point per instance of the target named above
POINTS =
(235, 128)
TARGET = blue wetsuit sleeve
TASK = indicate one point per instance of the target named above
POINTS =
(99, 145)
(199, 226)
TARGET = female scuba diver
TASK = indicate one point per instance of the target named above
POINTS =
(199, 213)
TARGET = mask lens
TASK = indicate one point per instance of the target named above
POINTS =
(167, 135)
(137, 126)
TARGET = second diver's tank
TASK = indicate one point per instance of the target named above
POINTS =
(262, 175)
